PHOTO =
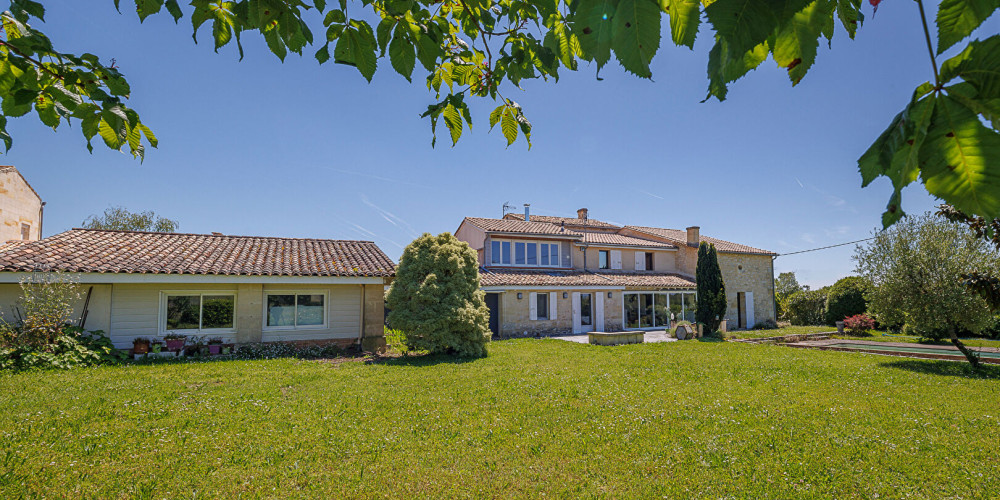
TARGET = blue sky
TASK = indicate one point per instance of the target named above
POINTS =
(261, 147)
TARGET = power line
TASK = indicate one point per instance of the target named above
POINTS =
(824, 248)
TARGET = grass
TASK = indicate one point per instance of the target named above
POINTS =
(537, 417)
(788, 330)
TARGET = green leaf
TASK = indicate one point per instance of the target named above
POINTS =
(958, 160)
(402, 54)
(8, 141)
(685, 16)
(496, 114)
(508, 125)
(636, 35)
(453, 120)
(320, 5)
(110, 135)
(893, 209)
(174, 9)
(797, 41)
(356, 47)
(594, 26)
(274, 42)
(957, 19)
(222, 32)
(979, 65)
(323, 54)
(46, 111)
(969, 97)
(146, 8)
(564, 43)
(150, 136)
(849, 12)
(725, 67)
(743, 24)
(383, 31)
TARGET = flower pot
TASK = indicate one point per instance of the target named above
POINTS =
(175, 345)
(214, 349)
(840, 327)
(140, 348)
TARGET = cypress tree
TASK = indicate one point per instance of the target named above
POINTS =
(710, 287)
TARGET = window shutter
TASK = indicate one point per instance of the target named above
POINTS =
(616, 259)
(533, 306)
(640, 261)
(553, 306)
(599, 312)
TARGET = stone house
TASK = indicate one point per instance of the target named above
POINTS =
(20, 208)
(240, 288)
(547, 275)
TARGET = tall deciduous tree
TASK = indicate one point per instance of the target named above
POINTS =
(916, 267)
(435, 299)
(711, 289)
(121, 219)
(946, 137)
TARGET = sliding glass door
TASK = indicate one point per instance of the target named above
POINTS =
(656, 309)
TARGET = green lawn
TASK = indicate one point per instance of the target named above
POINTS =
(788, 330)
(879, 337)
(538, 417)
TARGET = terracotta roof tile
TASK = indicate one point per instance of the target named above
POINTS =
(569, 221)
(99, 251)
(504, 277)
(519, 226)
(680, 236)
(10, 244)
(622, 240)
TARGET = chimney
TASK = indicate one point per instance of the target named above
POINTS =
(216, 233)
(694, 235)
(581, 214)
(527, 212)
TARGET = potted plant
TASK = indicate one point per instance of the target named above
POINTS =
(214, 345)
(156, 347)
(140, 345)
(175, 342)
(227, 349)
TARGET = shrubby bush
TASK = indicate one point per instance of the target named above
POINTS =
(73, 348)
(807, 307)
(436, 299)
(766, 324)
(275, 350)
(846, 298)
(859, 325)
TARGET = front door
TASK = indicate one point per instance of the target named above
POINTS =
(583, 312)
(493, 304)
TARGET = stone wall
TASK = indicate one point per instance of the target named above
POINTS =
(748, 273)
(18, 205)
(515, 314)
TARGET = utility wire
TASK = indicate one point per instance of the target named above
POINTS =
(824, 248)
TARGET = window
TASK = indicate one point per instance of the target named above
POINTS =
(542, 304)
(657, 309)
(25, 231)
(526, 253)
(603, 259)
(198, 312)
(295, 310)
(519, 254)
(649, 261)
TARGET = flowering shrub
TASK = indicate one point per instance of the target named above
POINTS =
(859, 324)
(43, 310)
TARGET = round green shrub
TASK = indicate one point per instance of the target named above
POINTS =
(846, 298)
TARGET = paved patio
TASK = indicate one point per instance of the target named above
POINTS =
(650, 336)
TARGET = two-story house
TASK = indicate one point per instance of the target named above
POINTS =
(546, 275)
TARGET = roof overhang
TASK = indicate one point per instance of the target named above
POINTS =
(535, 235)
(583, 244)
(99, 278)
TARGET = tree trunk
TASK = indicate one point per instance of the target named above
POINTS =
(969, 354)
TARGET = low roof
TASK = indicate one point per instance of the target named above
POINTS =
(616, 239)
(520, 226)
(506, 277)
(680, 236)
(569, 221)
(102, 251)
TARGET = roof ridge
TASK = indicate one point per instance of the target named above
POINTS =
(123, 231)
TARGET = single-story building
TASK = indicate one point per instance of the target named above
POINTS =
(240, 288)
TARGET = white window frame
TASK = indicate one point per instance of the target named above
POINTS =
(296, 293)
(162, 320)
(538, 253)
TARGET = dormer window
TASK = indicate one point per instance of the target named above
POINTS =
(525, 253)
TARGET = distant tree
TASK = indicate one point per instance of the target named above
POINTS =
(121, 219)
(784, 286)
(846, 298)
(710, 287)
(807, 307)
(986, 285)
(916, 268)
(435, 299)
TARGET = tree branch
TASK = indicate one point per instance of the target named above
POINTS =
(930, 49)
